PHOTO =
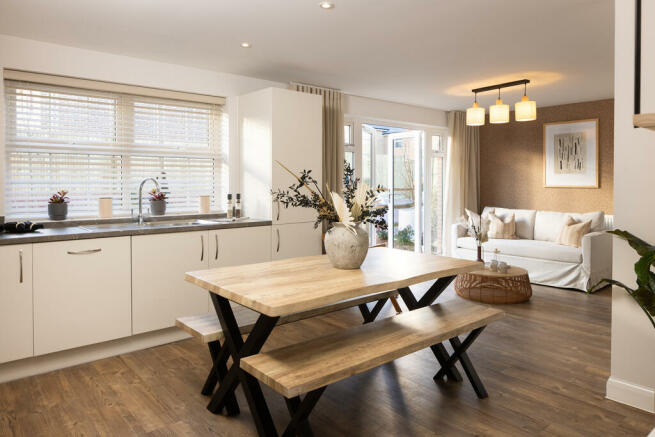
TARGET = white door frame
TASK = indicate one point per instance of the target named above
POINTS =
(423, 167)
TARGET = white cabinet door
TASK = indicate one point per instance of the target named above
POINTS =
(81, 293)
(233, 247)
(16, 334)
(159, 292)
(297, 143)
(294, 240)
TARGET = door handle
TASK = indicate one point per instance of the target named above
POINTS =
(202, 248)
(216, 254)
(278, 240)
(277, 203)
(20, 273)
(83, 252)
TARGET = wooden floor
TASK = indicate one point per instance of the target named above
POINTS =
(545, 367)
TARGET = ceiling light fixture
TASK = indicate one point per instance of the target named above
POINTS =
(499, 113)
(475, 114)
(245, 45)
(326, 5)
(525, 110)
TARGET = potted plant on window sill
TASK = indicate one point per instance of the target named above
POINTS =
(58, 205)
(157, 202)
(346, 242)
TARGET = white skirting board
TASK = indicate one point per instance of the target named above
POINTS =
(59, 360)
(631, 394)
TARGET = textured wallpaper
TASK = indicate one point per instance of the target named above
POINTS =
(511, 156)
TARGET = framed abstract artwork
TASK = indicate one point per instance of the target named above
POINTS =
(571, 154)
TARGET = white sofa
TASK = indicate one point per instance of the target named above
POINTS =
(536, 250)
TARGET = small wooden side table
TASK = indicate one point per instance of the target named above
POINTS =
(495, 287)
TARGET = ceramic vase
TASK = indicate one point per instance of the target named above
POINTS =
(157, 207)
(346, 248)
(57, 211)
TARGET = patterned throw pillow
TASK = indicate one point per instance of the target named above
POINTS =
(573, 231)
(502, 229)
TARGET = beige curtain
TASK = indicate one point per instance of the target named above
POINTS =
(463, 183)
(333, 152)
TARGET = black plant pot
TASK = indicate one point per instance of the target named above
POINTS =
(57, 211)
(157, 207)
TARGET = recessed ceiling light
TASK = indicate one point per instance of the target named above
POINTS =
(326, 5)
(245, 45)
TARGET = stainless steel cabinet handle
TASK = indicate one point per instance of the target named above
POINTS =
(278, 240)
(277, 203)
(202, 247)
(83, 252)
(20, 259)
(216, 254)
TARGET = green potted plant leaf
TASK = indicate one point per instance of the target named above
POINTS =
(58, 205)
(157, 202)
(644, 294)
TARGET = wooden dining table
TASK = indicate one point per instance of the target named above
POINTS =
(281, 288)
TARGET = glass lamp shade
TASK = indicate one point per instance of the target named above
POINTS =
(499, 113)
(525, 110)
(475, 115)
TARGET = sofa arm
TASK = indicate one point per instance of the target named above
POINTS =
(457, 230)
(597, 256)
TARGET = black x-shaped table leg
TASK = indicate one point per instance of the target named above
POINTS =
(234, 347)
(460, 355)
(439, 350)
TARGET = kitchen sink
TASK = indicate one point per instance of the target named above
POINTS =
(149, 224)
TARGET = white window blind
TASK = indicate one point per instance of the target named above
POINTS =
(102, 144)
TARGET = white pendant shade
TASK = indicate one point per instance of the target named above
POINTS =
(525, 110)
(475, 115)
(499, 113)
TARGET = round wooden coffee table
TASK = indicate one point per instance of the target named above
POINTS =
(495, 287)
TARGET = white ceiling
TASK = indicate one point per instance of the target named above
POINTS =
(423, 52)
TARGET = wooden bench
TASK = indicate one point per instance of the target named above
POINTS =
(310, 366)
(207, 328)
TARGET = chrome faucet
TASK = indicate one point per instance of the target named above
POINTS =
(140, 216)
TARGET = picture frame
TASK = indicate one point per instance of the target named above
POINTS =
(570, 154)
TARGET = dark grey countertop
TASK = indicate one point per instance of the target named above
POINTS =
(79, 230)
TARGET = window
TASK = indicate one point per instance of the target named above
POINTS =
(102, 144)
(349, 146)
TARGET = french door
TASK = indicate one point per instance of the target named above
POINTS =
(410, 162)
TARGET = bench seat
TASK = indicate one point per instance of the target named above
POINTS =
(311, 365)
(207, 328)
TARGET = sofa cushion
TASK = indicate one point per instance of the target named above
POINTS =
(527, 249)
(524, 219)
(548, 225)
(499, 228)
(597, 219)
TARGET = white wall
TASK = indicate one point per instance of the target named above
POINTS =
(364, 107)
(632, 379)
(41, 57)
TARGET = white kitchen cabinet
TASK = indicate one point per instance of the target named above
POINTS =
(16, 340)
(159, 292)
(81, 293)
(233, 247)
(283, 125)
(296, 239)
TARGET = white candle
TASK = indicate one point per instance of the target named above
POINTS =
(204, 204)
(105, 207)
